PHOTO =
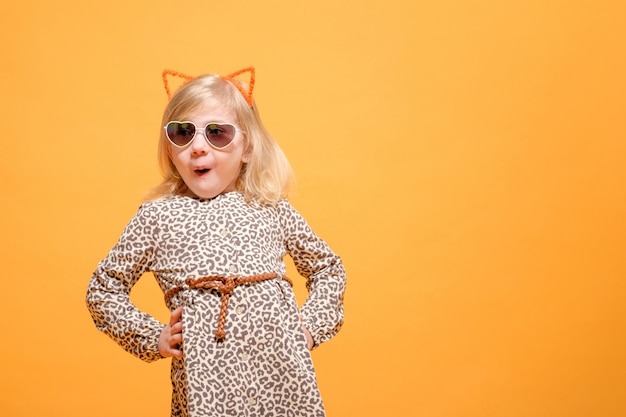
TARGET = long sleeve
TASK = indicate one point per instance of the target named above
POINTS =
(322, 312)
(108, 292)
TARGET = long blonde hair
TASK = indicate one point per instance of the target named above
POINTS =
(265, 178)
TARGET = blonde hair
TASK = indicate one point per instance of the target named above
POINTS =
(265, 178)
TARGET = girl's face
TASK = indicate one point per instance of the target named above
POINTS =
(207, 171)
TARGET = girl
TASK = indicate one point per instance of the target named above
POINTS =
(214, 235)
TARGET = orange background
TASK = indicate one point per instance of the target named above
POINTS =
(466, 159)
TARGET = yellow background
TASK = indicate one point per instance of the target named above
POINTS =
(466, 159)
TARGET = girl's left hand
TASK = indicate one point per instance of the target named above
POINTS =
(309, 339)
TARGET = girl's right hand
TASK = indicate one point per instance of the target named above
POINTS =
(172, 336)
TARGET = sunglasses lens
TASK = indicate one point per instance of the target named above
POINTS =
(180, 134)
(220, 135)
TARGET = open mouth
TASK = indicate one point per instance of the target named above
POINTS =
(201, 171)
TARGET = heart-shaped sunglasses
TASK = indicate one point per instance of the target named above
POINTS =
(219, 135)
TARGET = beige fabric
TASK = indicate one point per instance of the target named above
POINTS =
(262, 367)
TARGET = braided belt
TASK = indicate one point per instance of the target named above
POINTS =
(225, 285)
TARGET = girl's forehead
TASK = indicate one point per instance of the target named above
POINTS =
(211, 112)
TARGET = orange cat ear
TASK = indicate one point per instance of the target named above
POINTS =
(166, 84)
(246, 94)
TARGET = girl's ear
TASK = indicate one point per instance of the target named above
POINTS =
(247, 153)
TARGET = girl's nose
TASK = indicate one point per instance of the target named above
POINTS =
(199, 144)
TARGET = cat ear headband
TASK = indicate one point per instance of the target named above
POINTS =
(230, 78)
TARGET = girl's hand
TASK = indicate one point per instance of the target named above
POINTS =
(307, 334)
(172, 336)
(309, 338)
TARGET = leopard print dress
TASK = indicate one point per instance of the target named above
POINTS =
(263, 366)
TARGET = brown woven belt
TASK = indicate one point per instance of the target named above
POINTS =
(225, 286)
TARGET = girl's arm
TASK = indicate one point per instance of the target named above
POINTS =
(322, 312)
(108, 292)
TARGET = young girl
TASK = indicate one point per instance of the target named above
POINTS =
(214, 236)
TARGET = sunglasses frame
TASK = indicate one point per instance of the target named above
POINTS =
(203, 130)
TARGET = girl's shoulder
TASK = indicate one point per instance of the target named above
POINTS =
(288, 213)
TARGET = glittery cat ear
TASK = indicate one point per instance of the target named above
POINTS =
(166, 84)
(246, 94)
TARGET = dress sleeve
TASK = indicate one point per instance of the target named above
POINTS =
(108, 292)
(322, 312)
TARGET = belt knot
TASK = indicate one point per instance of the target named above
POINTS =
(228, 285)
